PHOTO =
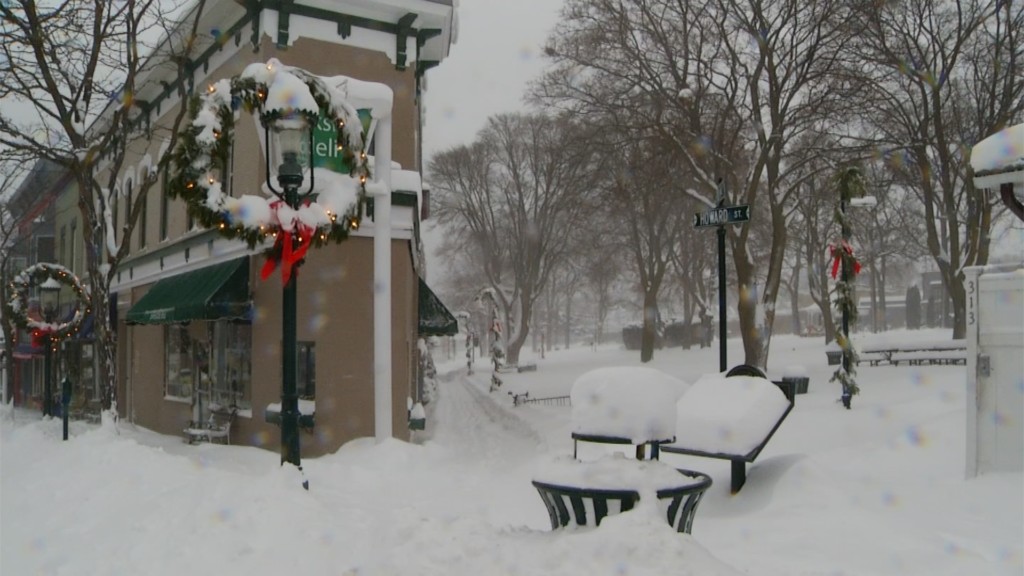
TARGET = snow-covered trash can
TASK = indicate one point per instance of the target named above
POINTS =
(797, 375)
(834, 354)
(417, 417)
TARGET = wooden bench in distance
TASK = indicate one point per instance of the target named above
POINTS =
(916, 353)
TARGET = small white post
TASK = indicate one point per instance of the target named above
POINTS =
(382, 283)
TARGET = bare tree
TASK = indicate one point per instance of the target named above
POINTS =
(513, 197)
(692, 262)
(889, 236)
(12, 170)
(942, 75)
(75, 70)
(641, 196)
(729, 85)
(603, 271)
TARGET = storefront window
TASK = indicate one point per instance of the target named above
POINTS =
(232, 362)
(179, 361)
(78, 359)
(221, 359)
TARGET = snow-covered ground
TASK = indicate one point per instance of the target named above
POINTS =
(877, 490)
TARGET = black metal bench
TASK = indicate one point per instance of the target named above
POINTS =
(640, 447)
(569, 504)
(739, 461)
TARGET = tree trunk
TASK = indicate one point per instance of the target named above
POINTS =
(7, 325)
(746, 306)
(881, 298)
(106, 337)
(794, 298)
(649, 334)
(568, 318)
(959, 297)
(517, 344)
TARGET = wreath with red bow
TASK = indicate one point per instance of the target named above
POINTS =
(270, 90)
(43, 332)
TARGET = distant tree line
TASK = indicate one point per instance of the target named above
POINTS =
(650, 108)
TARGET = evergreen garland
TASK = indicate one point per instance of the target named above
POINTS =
(205, 146)
(36, 275)
(851, 184)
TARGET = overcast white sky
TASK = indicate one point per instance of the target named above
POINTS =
(498, 51)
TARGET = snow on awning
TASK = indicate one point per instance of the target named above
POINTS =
(434, 317)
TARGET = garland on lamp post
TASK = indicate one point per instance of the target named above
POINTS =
(845, 304)
(845, 264)
(271, 90)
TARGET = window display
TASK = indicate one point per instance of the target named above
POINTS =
(178, 344)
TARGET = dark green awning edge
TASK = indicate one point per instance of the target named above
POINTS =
(218, 292)
(434, 317)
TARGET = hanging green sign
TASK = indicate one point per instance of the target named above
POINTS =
(325, 143)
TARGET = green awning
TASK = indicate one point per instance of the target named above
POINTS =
(216, 292)
(435, 319)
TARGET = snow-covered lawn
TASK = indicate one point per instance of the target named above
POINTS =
(874, 490)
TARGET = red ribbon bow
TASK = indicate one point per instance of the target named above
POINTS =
(837, 257)
(284, 252)
(41, 337)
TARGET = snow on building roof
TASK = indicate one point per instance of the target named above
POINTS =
(999, 158)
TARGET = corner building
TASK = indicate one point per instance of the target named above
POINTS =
(199, 331)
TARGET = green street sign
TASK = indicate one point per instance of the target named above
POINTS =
(325, 143)
(720, 216)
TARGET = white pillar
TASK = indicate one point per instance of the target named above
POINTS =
(382, 283)
(972, 289)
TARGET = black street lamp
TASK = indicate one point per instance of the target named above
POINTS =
(49, 303)
(289, 141)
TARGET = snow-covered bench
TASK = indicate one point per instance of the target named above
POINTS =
(946, 357)
(916, 353)
(731, 417)
(213, 430)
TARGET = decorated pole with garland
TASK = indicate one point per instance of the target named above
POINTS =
(281, 96)
(851, 184)
(46, 333)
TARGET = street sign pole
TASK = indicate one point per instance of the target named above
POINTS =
(718, 217)
(722, 362)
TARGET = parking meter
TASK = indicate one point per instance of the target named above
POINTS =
(65, 392)
(65, 399)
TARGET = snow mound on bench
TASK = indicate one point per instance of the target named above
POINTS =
(733, 415)
(637, 403)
